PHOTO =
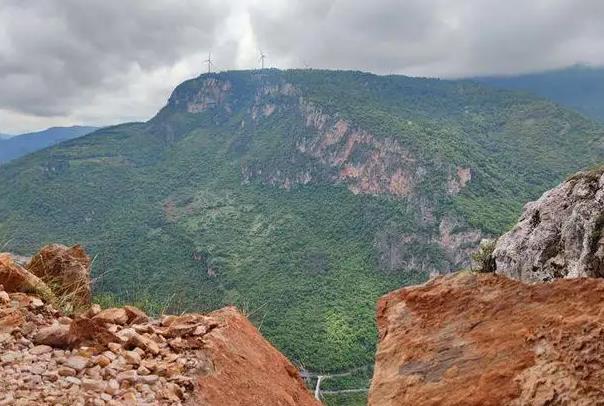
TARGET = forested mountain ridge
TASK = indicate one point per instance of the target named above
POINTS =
(300, 195)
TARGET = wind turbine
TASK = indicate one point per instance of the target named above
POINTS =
(209, 61)
(261, 59)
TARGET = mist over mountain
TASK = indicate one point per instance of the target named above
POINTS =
(579, 87)
(12, 147)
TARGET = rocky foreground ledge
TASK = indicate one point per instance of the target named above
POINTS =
(484, 339)
(121, 356)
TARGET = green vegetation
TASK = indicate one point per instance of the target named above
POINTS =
(483, 257)
(175, 222)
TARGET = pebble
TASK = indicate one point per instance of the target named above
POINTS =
(40, 349)
(114, 347)
(149, 379)
(132, 357)
(102, 361)
(36, 303)
(66, 371)
(10, 356)
(73, 380)
(35, 370)
(142, 370)
(76, 362)
(129, 376)
(93, 384)
(113, 387)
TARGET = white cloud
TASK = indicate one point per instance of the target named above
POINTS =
(68, 62)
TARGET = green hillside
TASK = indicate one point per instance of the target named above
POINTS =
(300, 196)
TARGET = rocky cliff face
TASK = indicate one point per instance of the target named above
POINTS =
(561, 235)
(121, 356)
(333, 149)
(484, 339)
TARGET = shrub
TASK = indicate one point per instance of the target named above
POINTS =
(483, 260)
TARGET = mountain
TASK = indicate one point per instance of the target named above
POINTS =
(300, 196)
(19, 145)
(579, 87)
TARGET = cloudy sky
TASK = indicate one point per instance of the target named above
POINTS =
(99, 62)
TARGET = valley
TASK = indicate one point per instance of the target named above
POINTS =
(300, 196)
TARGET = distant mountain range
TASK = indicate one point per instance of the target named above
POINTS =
(579, 87)
(12, 147)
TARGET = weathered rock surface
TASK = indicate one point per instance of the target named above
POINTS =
(561, 235)
(245, 369)
(484, 339)
(15, 278)
(66, 270)
(58, 274)
(121, 356)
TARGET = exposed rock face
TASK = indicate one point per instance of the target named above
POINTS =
(247, 370)
(484, 339)
(59, 274)
(66, 270)
(15, 278)
(120, 356)
(561, 235)
(367, 164)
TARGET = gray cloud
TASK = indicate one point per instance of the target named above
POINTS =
(98, 62)
(57, 52)
(435, 37)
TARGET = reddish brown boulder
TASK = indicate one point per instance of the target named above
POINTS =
(91, 332)
(483, 339)
(10, 320)
(15, 278)
(113, 315)
(56, 335)
(246, 369)
(135, 315)
(66, 270)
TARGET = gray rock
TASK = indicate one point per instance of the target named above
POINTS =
(76, 362)
(93, 384)
(561, 235)
(40, 349)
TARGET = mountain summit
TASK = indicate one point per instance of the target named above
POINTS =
(300, 196)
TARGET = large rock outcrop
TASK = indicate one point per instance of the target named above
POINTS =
(561, 235)
(66, 270)
(59, 274)
(15, 278)
(483, 339)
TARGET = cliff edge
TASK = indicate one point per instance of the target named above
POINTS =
(121, 356)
